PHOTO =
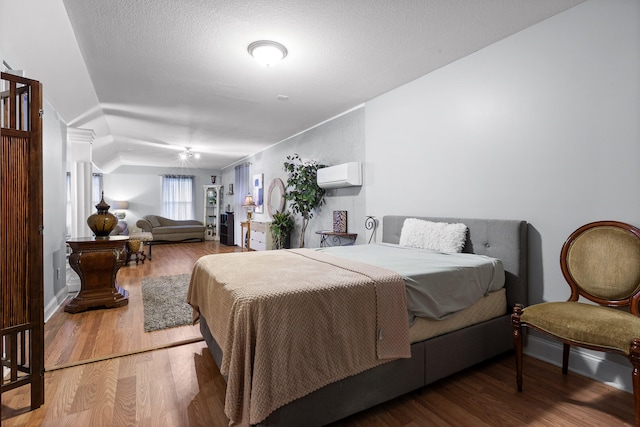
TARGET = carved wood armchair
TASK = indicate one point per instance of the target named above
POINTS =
(601, 263)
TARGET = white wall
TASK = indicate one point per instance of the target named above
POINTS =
(336, 141)
(142, 188)
(542, 126)
(142, 191)
(54, 150)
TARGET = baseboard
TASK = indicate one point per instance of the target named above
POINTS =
(55, 303)
(611, 369)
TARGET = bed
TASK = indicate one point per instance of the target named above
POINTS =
(430, 350)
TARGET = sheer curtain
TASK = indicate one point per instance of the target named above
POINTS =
(242, 186)
(96, 188)
(242, 189)
(178, 197)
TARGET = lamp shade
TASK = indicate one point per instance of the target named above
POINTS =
(248, 201)
(120, 204)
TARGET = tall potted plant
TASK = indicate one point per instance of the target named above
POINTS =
(281, 228)
(302, 189)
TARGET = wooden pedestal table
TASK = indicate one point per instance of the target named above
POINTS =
(97, 262)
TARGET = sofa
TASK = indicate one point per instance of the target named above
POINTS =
(170, 230)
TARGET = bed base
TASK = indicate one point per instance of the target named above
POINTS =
(432, 359)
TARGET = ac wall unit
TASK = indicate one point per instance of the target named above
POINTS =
(344, 175)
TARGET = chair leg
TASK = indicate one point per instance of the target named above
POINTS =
(517, 342)
(565, 358)
(634, 356)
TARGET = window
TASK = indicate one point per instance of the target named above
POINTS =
(68, 222)
(96, 188)
(178, 197)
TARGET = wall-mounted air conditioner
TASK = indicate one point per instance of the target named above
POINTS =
(344, 175)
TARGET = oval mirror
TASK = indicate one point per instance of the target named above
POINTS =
(275, 196)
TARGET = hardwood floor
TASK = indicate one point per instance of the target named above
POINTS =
(90, 380)
(100, 333)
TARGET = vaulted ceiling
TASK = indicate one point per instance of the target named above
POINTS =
(152, 77)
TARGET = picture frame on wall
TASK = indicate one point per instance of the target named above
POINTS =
(258, 192)
(339, 221)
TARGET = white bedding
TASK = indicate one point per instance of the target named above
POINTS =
(438, 285)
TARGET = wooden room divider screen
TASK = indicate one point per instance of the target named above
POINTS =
(21, 277)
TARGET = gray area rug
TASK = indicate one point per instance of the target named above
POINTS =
(164, 299)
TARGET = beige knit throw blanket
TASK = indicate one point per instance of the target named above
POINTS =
(292, 321)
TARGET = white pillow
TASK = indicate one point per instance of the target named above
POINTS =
(437, 236)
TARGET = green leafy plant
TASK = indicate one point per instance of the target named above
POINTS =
(302, 189)
(281, 227)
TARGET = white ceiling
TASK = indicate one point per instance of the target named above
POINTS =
(168, 74)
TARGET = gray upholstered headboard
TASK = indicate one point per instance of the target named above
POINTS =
(497, 238)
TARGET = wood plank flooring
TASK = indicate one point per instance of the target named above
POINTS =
(181, 385)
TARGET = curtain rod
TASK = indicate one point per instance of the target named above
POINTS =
(242, 165)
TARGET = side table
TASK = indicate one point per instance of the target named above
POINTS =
(135, 251)
(337, 239)
(136, 246)
(97, 262)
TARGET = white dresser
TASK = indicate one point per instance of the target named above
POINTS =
(261, 239)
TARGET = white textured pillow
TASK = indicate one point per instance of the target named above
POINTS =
(437, 236)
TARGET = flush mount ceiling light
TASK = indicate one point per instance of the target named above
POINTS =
(267, 52)
(188, 154)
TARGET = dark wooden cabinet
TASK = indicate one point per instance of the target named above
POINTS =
(226, 228)
(97, 262)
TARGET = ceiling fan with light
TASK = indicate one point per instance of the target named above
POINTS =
(188, 154)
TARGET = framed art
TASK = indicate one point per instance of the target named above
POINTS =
(339, 221)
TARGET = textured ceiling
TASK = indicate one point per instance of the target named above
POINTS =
(168, 74)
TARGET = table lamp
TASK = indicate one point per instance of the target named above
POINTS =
(120, 204)
(249, 204)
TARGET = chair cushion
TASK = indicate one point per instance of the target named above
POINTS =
(143, 236)
(587, 324)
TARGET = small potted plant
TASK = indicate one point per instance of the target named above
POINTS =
(281, 227)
